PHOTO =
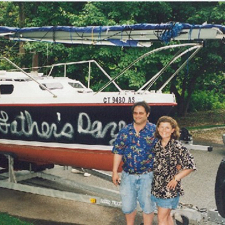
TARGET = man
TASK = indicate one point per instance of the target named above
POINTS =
(134, 145)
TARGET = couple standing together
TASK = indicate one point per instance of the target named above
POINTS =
(154, 162)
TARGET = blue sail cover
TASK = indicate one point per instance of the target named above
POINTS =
(137, 35)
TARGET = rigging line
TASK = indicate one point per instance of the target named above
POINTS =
(44, 36)
(141, 57)
(129, 38)
(199, 31)
(101, 39)
(82, 37)
(71, 35)
(35, 38)
(17, 34)
(110, 36)
(100, 33)
(53, 35)
(190, 32)
(92, 35)
(158, 33)
(127, 32)
(171, 32)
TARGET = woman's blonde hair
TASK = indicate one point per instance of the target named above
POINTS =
(173, 123)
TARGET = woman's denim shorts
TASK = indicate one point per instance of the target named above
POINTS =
(136, 188)
(169, 203)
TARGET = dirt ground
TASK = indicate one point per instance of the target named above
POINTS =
(198, 122)
(208, 136)
(203, 118)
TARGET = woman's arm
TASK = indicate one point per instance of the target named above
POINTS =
(173, 183)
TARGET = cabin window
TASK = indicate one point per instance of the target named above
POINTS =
(76, 85)
(6, 89)
(52, 86)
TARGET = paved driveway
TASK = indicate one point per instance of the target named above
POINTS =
(41, 210)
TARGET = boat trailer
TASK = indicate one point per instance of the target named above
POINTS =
(18, 180)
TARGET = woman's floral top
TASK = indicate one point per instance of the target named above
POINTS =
(136, 148)
(167, 163)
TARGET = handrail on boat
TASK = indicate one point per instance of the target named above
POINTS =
(81, 62)
(44, 87)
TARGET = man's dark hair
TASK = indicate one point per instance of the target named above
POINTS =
(143, 104)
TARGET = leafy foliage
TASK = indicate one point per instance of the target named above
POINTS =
(206, 100)
(203, 74)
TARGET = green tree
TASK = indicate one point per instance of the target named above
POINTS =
(206, 69)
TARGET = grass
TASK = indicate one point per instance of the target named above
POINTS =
(6, 219)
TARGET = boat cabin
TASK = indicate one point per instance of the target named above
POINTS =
(9, 81)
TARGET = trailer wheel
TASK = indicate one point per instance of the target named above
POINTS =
(220, 189)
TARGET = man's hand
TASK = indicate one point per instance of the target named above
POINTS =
(116, 178)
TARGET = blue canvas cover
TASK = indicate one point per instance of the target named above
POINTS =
(137, 35)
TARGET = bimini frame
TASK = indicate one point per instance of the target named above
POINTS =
(148, 84)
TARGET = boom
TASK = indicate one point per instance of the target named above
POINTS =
(137, 35)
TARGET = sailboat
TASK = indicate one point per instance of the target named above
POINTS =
(46, 119)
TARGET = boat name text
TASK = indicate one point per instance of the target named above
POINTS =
(96, 128)
(24, 125)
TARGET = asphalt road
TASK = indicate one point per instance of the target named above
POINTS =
(199, 186)
(41, 210)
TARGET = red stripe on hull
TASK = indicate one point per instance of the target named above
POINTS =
(90, 159)
(82, 104)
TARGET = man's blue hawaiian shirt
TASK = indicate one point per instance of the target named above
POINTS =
(136, 148)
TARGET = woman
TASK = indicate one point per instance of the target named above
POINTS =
(172, 162)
